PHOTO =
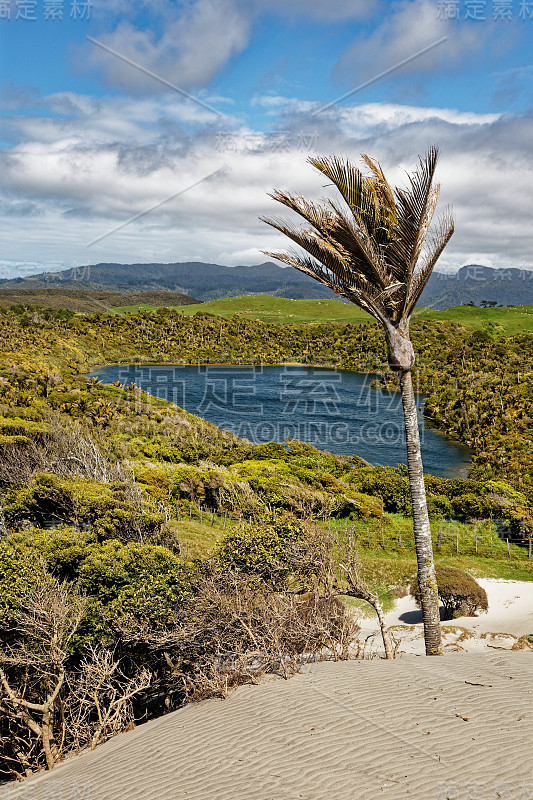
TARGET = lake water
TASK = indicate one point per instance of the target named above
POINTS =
(328, 408)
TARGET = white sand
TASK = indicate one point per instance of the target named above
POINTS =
(510, 609)
(418, 728)
(510, 616)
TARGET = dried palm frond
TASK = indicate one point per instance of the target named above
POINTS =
(369, 250)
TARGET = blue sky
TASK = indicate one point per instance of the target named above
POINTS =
(90, 142)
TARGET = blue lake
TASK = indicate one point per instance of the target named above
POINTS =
(330, 409)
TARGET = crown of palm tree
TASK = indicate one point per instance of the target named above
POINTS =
(378, 250)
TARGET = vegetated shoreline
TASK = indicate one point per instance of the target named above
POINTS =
(462, 472)
(206, 336)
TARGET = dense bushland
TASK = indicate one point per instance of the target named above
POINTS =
(97, 634)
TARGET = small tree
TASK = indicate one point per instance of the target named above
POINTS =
(356, 587)
(33, 672)
(374, 250)
(50, 707)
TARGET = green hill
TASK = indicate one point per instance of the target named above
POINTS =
(267, 308)
(506, 320)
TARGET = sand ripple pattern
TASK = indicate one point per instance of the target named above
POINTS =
(452, 728)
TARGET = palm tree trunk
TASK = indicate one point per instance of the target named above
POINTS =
(427, 581)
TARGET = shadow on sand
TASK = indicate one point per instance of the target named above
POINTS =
(411, 617)
(415, 617)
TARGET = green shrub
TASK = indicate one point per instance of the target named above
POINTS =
(471, 506)
(439, 506)
(391, 485)
(141, 580)
(128, 523)
(459, 593)
(20, 572)
(105, 507)
(200, 485)
(270, 551)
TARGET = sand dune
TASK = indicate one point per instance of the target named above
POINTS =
(415, 728)
(452, 728)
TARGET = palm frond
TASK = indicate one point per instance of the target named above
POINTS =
(439, 239)
(416, 206)
(381, 188)
(332, 257)
(355, 291)
(369, 252)
(317, 216)
(352, 185)
(360, 247)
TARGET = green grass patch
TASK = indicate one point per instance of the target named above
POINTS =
(266, 308)
(508, 320)
(199, 539)
(393, 533)
(388, 560)
(136, 308)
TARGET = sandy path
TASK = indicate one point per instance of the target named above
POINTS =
(457, 728)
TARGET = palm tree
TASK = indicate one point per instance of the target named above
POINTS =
(375, 251)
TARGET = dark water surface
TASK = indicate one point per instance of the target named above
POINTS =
(330, 409)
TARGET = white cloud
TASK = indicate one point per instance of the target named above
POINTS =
(83, 175)
(189, 43)
(190, 50)
(407, 28)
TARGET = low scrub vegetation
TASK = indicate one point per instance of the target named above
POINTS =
(148, 558)
(97, 634)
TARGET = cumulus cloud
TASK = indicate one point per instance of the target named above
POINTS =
(190, 48)
(407, 28)
(189, 43)
(84, 175)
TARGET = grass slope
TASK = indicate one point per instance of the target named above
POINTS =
(508, 320)
(267, 308)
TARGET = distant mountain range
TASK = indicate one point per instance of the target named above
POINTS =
(475, 283)
(202, 281)
(471, 284)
